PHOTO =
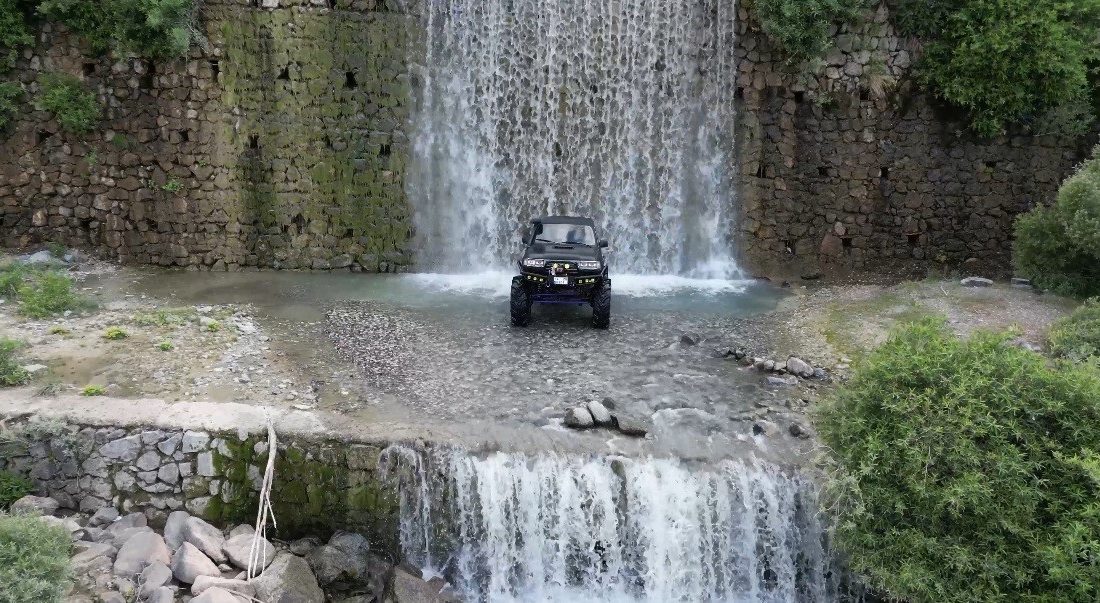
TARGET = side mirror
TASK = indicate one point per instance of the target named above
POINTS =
(603, 243)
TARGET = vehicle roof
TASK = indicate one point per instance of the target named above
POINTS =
(565, 220)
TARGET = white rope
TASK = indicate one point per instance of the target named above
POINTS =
(257, 554)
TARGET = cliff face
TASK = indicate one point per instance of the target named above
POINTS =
(283, 142)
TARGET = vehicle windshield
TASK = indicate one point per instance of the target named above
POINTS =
(569, 234)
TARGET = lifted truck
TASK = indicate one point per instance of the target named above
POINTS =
(563, 263)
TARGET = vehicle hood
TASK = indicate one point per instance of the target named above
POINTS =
(562, 252)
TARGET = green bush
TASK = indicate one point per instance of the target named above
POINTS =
(74, 106)
(1058, 247)
(34, 560)
(1077, 336)
(12, 488)
(800, 28)
(967, 470)
(13, 32)
(1005, 61)
(10, 92)
(50, 293)
(11, 373)
(153, 28)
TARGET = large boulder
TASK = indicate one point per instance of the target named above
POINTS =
(239, 547)
(188, 563)
(154, 576)
(173, 529)
(205, 583)
(206, 538)
(342, 562)
(92, 558)
(288, 580)
(216, 595)
(103, 517)
(34, 505)
(410, 587)
(140, 551)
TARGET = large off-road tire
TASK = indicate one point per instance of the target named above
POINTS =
(521, 304)
(601, 307)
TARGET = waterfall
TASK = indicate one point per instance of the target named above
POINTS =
(618, 109)
(512, 527)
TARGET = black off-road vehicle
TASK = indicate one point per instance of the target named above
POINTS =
(563, 263)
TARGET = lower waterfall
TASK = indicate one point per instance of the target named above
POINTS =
(549, 527)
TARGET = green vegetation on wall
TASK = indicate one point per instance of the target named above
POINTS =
(14, 33)
(12, 486)
(968, 470)
(72, 104)
(34, 560)
(11, 373)
(10, 93)
(152, 28)
(802, 28)
(1058, 247)
(1007, 61)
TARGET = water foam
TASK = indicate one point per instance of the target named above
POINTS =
(513, 527)
(497, 284)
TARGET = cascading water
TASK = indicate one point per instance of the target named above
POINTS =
(509, 527)
(619, 109)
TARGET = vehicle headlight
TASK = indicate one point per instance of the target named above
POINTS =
(588, 265)
(534, 263)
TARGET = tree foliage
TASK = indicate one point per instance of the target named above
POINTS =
(72, 104)
(1006, 61)
(1058, 247)
(153, 28)
(801, 28)
(968, 470)
(13, 32)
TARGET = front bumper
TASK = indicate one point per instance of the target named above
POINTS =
(578, 288)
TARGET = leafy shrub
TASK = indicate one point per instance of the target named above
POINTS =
(968, 470)
(13, 487)
(1077, 336)
(1058, 247)
(114, 334)
(74, 106)
(93, 390)
(1005, 61)
(13, 32)
(166, 346)
(10, 92)
(801, 27)
(11, 373)
(153, 28)
(34, 560)
(48, 293)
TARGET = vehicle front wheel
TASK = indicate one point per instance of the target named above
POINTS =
(521, 304)
(601, 307)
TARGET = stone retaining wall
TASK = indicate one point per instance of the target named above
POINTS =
(320, 485)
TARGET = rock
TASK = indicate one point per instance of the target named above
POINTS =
(410, 587)
(976, 281)
(140, 551)
(205, 583)
(303, 546)
(774, 381)
(333, 566)
(130, 521)
(766, 428)
(216, 595)
(578, 418)
(351, 543)
(690, 339)
(103, 517)
(239, 547)
(173, 529)
(288, 580)
(599, 413)
(798, 431)
(154, 576)
(241, 530)
(111, 597)
(631, 424)
(35, 505)
(189, 563)
(122, 449)
(120, 537)
(39, 257)
(798, 366)
(33, 369)
(1021, 283)
(162, 595)
(93, 558)
(205, 537)
(68, 524)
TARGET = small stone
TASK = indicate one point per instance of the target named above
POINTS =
(239, 547)
(799, 367)
(797, 431)
(1021, 283)
(632, 425)
(578, 418)
(773, 381)
(205, 537)
(103, 517)
(34, 369)
(148, 461)
(690, 339)
(599, 412)
(189, 563)
(154, 576)
(976, 281)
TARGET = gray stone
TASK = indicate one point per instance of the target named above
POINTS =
(632, 424)
(122, 449)
(148, 461)
(125, 481)
(154, 576)
(205, 465)
(174, 528)
(335, 567)
(410, 587)
(690, 339)
(773, 381)
(303, 546)
(170, 444)
(112, 597)
(241, 530)
(92, 557)
(600, 414)
(194, 441)
(35, 505)
(120, 537)
(205, 537)
(140, 551)
(169, 474)
(34, 369)
(579, 418)
(188, 563)
(103, 517)
(976, 281)
(799, 367)
(67, 524)
(163, 594)
(216, 595)
(239, 547)
(205, 583)
(288, 580)
(1021, 283)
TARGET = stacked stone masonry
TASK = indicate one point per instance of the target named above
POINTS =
(282, 141)
(319, 486)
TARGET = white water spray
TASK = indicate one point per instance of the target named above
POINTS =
(508, 527)
(619, 109)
